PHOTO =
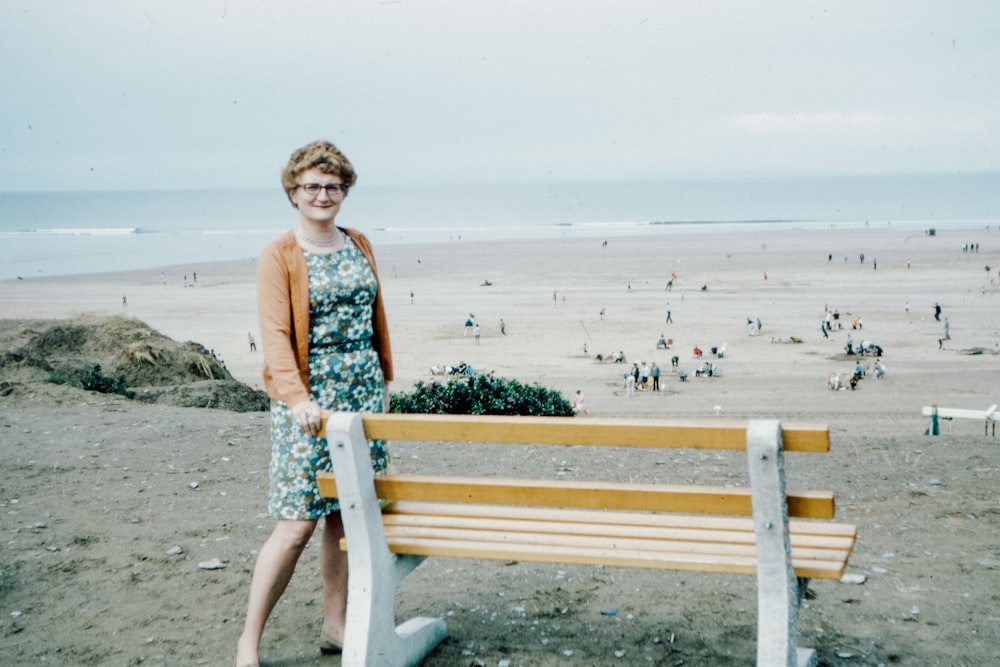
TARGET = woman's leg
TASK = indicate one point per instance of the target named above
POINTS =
(275, 565)
(334, 563)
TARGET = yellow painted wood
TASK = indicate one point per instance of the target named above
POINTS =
(596, 523)
(403, 508)
(594, 495)
(807, 533)
(826, 563)
(667, 560)
(715, 434)
(327, 484)
(568, 534)
(741, 534)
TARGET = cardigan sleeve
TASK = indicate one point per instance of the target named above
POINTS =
(282, 376)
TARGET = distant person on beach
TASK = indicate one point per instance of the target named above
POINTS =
(579, 407)
(323, 276)
(937, 312)
(124, 300)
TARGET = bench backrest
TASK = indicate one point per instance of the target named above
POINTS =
(662, 433)
(717, 434)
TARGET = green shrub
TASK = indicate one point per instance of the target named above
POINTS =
(55, 377)
(481, 395)
(95, 380)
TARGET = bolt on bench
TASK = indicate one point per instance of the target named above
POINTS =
(691, 528)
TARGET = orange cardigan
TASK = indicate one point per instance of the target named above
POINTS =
(283, 311)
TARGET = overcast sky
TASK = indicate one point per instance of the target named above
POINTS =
(213, 93)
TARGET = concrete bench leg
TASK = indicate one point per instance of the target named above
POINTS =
(371, 637)
(778, 590)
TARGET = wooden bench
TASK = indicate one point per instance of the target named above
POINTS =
(692, 528)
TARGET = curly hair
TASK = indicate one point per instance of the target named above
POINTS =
(321, 155)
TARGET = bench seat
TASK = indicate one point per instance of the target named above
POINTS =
(554, 534)
(616, 539)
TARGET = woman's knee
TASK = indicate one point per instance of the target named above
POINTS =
(293, 535)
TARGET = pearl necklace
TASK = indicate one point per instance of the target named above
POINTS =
(322, 244)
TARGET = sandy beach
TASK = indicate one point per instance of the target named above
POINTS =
(97, 491)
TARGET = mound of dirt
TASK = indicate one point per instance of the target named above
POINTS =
(156, 368)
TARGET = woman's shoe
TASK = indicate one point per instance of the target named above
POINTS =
(329, 646)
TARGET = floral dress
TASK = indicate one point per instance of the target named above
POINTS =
(344, 375)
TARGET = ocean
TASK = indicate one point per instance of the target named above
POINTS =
(66, 233)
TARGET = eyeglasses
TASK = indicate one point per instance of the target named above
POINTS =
(332, 189)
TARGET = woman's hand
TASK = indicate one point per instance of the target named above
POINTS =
(308, 416)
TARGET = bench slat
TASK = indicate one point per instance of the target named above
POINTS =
(742, 534)
(740, 542)
(802, 557)
(404, 508)
(815, 546)
(567, 493)
(716, 434)
(582, 555)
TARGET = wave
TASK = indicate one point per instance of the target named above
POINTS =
(761, 221)
(576, 224)
(615, 224)
(238, 232)
(73, 231)
(128, 231)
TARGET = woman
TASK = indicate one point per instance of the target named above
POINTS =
(326, 347)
